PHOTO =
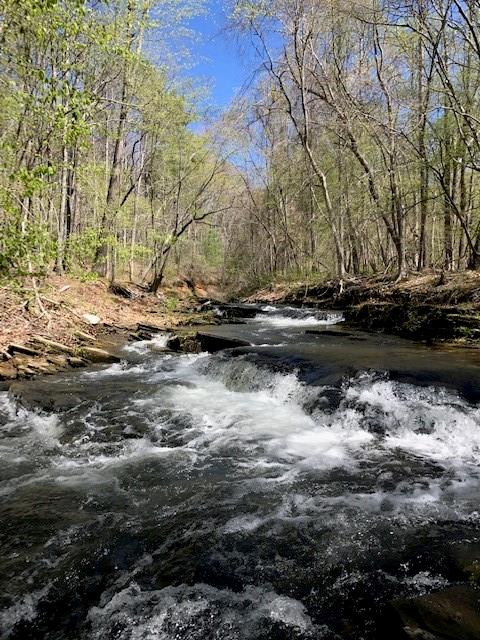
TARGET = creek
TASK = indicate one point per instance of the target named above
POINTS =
(287, 490)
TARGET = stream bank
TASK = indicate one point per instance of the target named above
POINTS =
(433, 307)
(72, 324)
(319, 483)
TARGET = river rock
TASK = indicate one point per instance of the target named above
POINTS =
(91, 318)
(143, 328)
(21, 348)
(76, 362)
(41, 365)
(450, 614)
(59, 361)
(51, 345)
(212, 343)
(228, 311)
(467, 558)
(174, 343)
(94, 354)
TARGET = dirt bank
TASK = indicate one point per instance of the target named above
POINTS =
(430, 307)
(69, 323)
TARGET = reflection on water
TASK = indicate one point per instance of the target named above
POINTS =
(282, 491)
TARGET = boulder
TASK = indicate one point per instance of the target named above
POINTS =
(212, 343)
(174, 344)
(450, 614)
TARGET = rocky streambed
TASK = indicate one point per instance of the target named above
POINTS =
(287, 478)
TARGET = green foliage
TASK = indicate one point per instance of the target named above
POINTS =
(26, 246)
(80, 251)
(212, 248)
(171, 303)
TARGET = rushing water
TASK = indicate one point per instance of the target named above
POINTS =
(287, 490)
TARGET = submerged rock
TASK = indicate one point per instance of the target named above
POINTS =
(452, 614)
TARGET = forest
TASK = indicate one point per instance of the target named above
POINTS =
(353, 149)
(239, 319)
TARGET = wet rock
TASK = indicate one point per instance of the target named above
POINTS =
(190, 344)
(174, 343)
(467, 559)
(76, 362)
(148, 328)
(129, 433)
(135, 337)
(212, 343)
(451, 614)
(233, 311)
(94, 354)
(25, 371)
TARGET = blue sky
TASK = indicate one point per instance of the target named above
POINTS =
(217, 55)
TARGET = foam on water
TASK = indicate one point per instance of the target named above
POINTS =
(233, 408)
(25, 610)
(142, 347)
(233, 404)
(233, 450)
(291, 317)
(20, 422)
(186, 612)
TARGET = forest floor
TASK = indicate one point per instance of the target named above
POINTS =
(429, 307)
(71, 323)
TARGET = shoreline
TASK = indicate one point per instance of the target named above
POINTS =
(88, 323)
(434, 308)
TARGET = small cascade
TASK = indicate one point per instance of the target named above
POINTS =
(297, 317)
(245, 495)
